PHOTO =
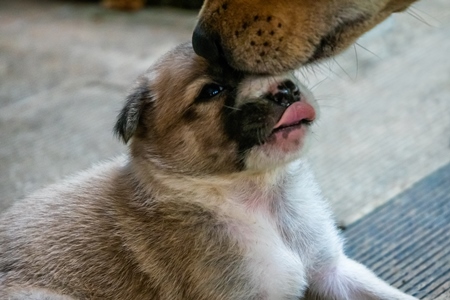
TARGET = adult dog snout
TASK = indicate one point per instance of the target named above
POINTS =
(206, 44)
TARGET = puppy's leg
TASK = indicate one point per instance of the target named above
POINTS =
(349, 280)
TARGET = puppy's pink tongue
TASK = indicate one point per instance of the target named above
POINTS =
(295, 113)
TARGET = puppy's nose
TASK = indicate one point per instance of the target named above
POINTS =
(288, 93)
(206, 44)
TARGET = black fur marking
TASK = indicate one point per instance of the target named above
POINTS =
(247, 125)
(331, 40)
(191, 115)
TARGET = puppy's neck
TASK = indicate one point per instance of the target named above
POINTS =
(251, 186)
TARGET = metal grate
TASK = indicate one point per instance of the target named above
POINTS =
(407, 241)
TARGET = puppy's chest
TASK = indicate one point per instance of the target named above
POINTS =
(270, 236)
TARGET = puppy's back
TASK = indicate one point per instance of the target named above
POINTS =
(67, 233)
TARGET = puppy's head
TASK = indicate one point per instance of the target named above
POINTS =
(188, 116)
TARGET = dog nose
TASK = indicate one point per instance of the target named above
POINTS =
(206, 44)
(288, 93)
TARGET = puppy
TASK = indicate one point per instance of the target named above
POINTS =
(274, 36)
(213, 201)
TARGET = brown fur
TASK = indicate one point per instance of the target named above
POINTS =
(272, 36)
(102, 244)
(187, 125)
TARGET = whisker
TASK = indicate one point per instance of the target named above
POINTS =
(258, 135)
(371, 52)
(343, 69)
(261, 138)
(318, 83)
(418, 17)
(414, 8)
(357, 61)
(330, 69)
(302, 73)
(326, 106)
(316, 67)
(231, 107)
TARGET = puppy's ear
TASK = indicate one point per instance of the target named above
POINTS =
(128, 119)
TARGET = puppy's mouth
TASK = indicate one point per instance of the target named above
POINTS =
(289, 133)
(277, 120)
(298, 114)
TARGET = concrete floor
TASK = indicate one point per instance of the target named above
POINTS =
(65, 68)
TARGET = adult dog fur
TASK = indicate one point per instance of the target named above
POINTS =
(272, 36)
(213, 202)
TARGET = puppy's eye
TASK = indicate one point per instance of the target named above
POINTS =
(209, 91)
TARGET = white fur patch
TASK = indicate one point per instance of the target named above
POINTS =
(277, 271)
